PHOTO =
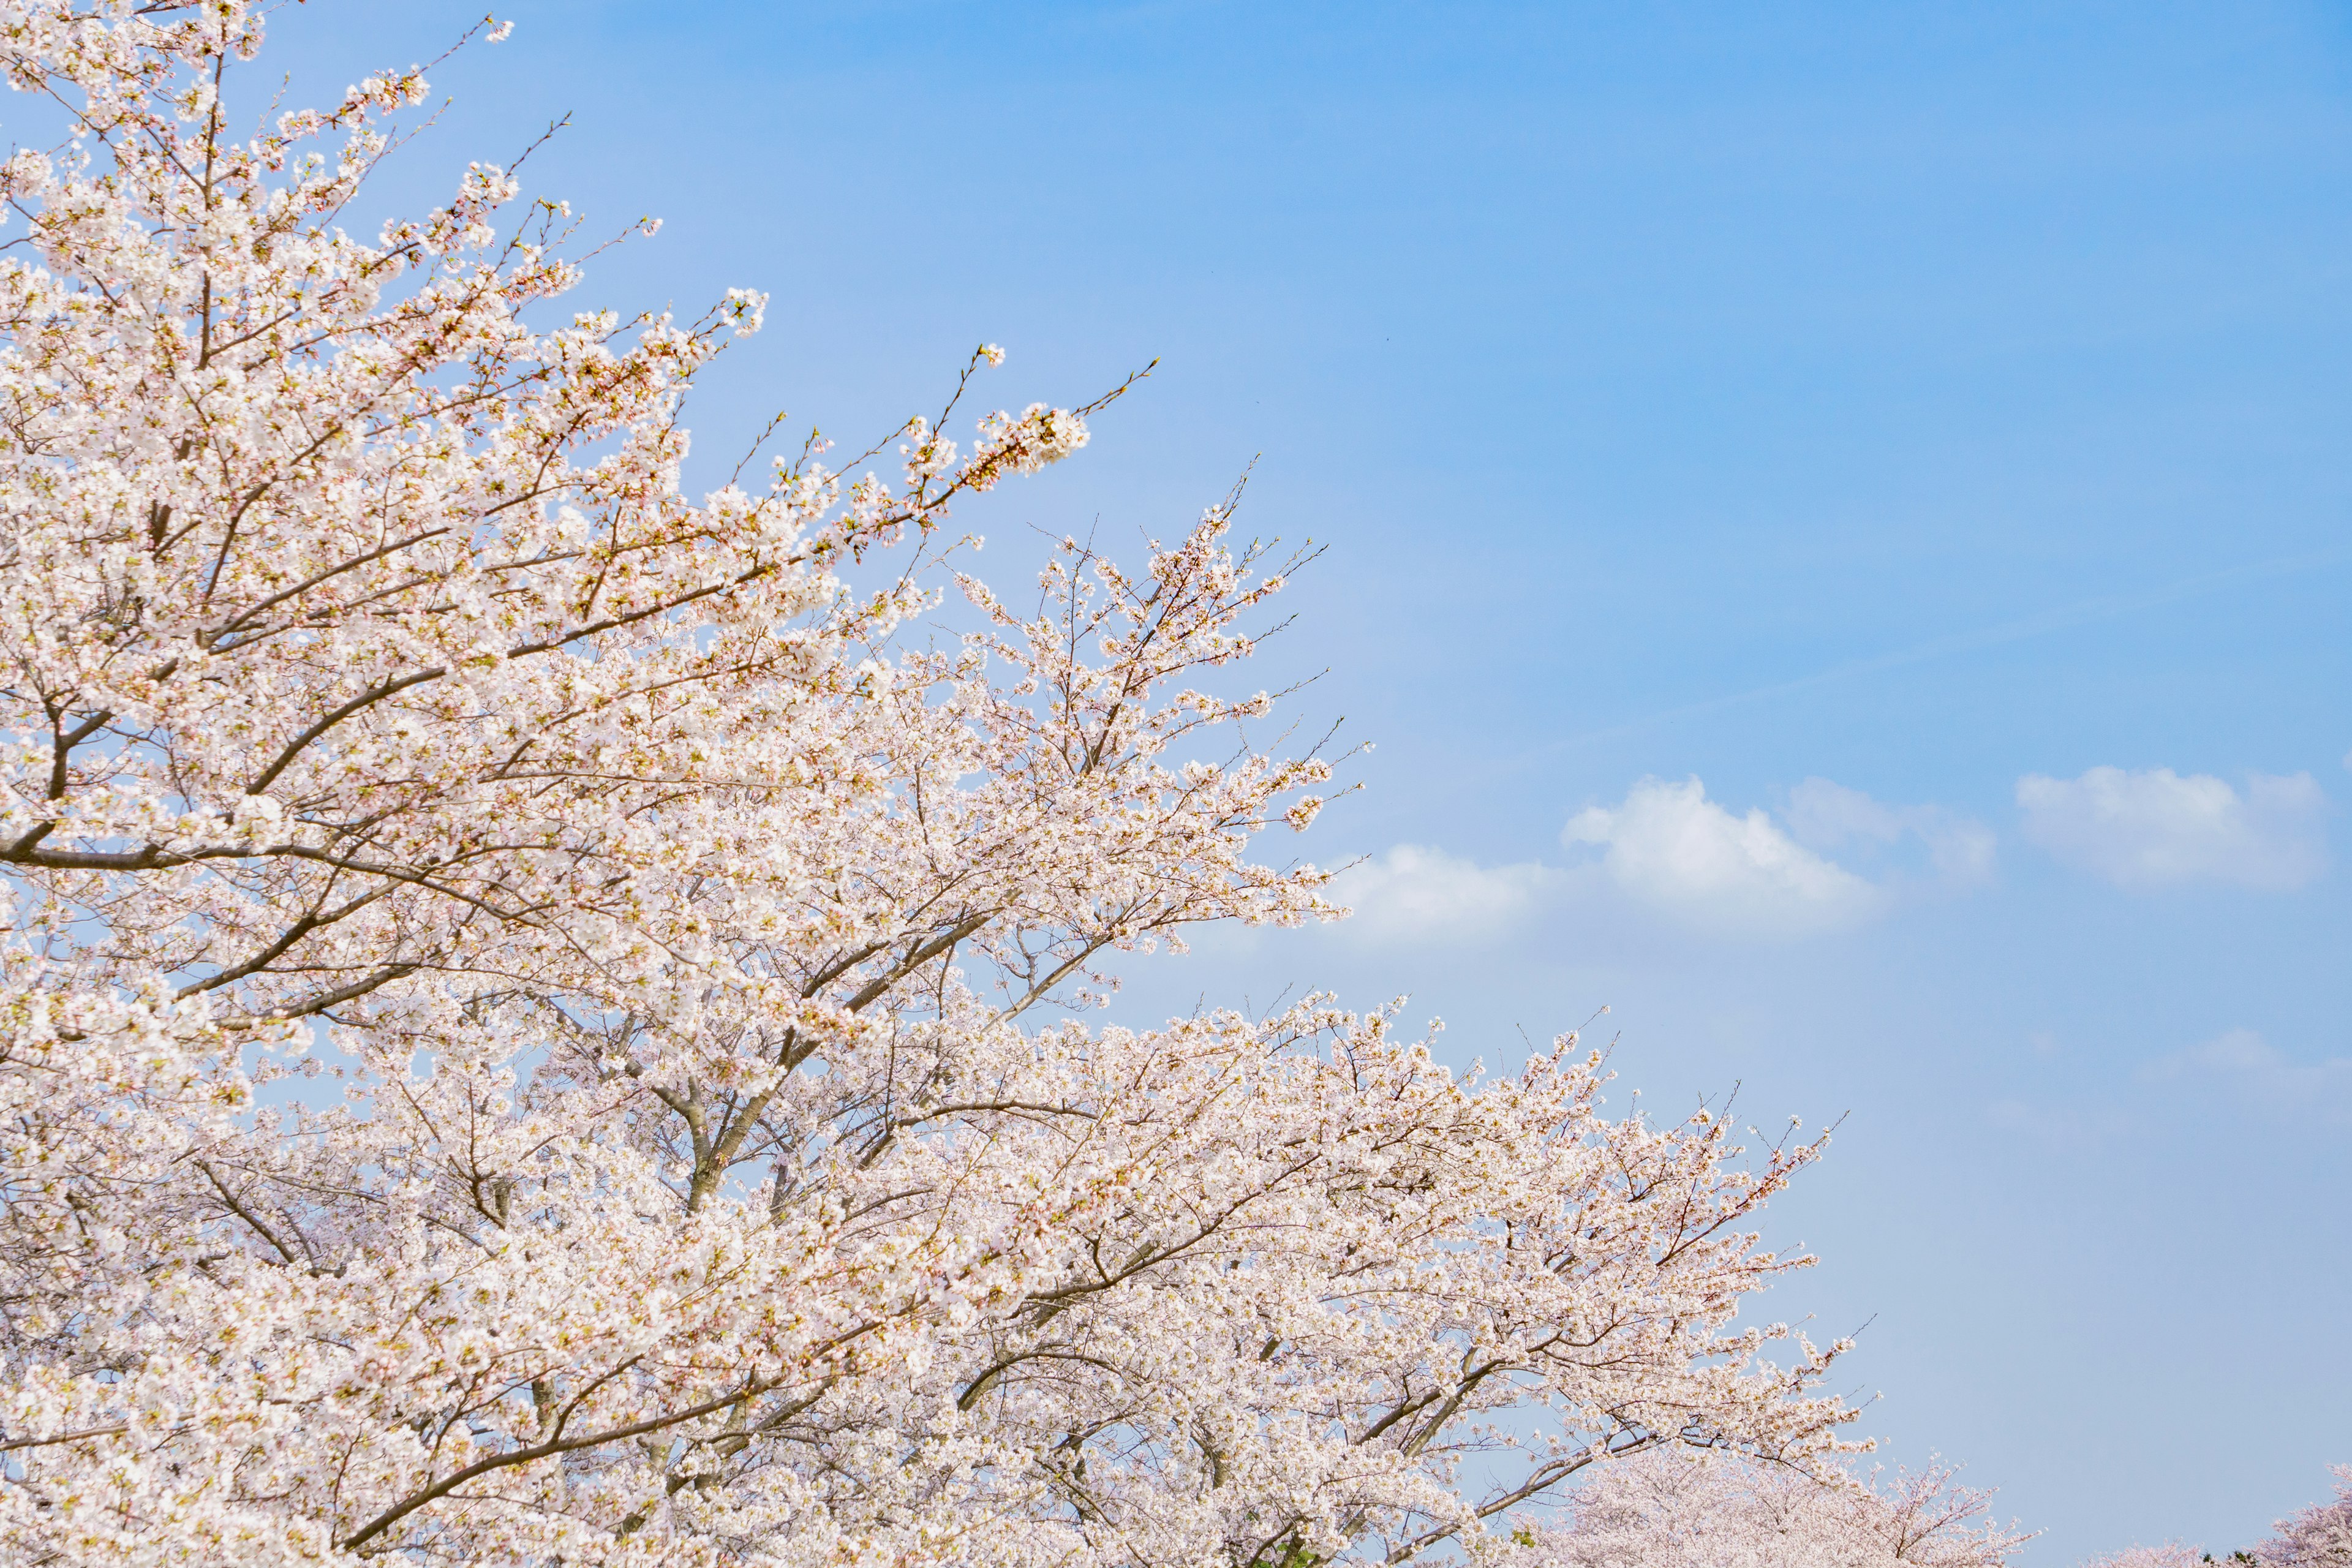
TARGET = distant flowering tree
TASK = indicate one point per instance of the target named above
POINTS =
(2171, 1555)
(2316, 1536)
(1671, 1508)
(522, 988)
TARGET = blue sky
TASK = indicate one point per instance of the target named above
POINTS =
(1924, 400)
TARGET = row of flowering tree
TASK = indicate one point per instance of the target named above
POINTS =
(1671, 1506)
(2316, 1536)
(527, 994)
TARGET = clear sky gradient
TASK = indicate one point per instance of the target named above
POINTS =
(1930, 400)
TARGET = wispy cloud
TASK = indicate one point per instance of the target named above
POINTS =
(2063, 1129)
(2057, 618)
(1422, 895)
(1827, 816)
(2253, 1068)
(2154, 828)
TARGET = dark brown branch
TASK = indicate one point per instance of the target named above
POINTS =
(546, 1450)
(14, 1443)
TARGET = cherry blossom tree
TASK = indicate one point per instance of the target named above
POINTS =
(530, 997)
(2316, 1536)
(1671, 1508)
(2170, 1555)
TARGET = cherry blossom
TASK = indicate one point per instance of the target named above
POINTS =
(545, 1018)
(1671, 1509)
(2170, 1555)
(2316, 1536)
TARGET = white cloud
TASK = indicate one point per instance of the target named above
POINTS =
(1671, 847)
(1826, 815)
(2260, 1071)
(2148, 829)
(1418, 894)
